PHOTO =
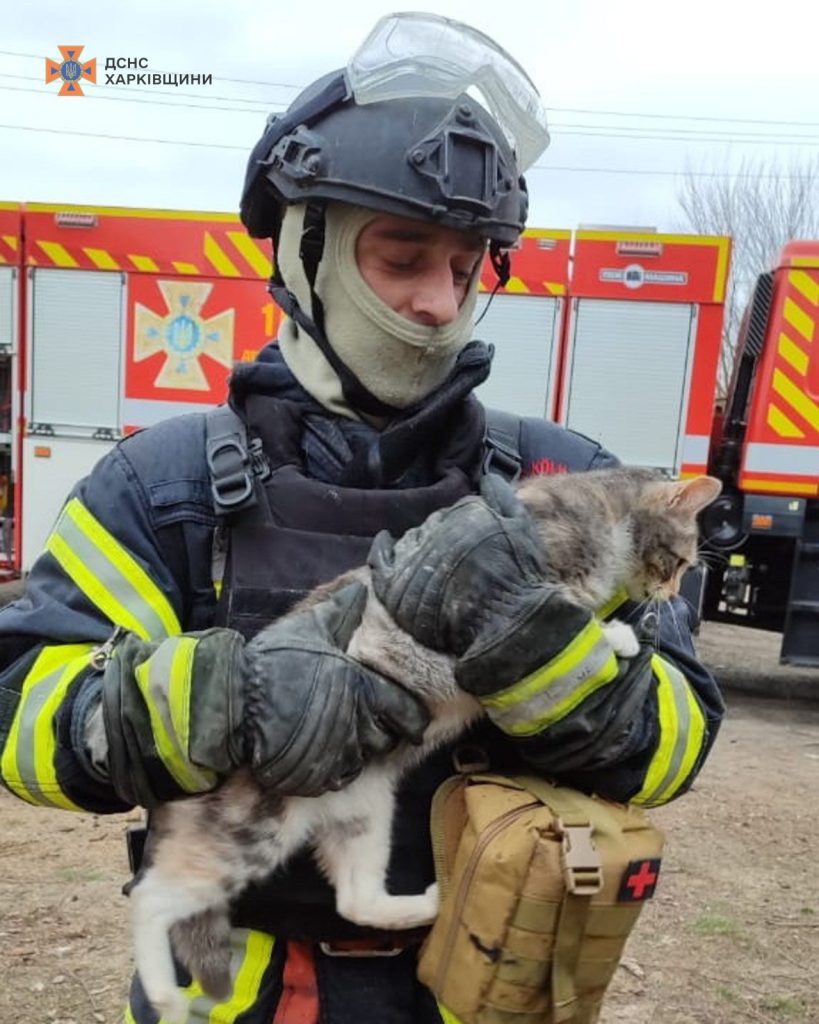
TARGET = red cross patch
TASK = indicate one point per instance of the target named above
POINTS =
(639, 880)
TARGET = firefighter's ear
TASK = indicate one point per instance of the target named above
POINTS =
(692, 496)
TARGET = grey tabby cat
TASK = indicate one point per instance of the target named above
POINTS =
(602, 531)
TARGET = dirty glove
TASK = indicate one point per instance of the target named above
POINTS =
(470, 581)
(183, 713)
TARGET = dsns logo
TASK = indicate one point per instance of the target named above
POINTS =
(71, 70)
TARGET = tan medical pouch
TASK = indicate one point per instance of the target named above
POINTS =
(540, 888)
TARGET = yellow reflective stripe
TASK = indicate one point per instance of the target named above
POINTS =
(447, 1016)
(249, 960)
(129, 1017)
(613, 603)
(682, 730)
(27, 764)
(109, 576)
(164, 681)
(554, 690)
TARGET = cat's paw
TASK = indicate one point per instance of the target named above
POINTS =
(622, 638)
(172, 1007)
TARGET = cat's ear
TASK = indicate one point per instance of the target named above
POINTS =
(691, 496)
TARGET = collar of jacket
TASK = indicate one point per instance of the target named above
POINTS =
(415, 448)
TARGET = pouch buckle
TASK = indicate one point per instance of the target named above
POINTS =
(582, 870)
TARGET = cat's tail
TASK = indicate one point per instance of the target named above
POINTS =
(202, 945)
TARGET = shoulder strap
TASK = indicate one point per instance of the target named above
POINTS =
(235, 463)
(502, 445)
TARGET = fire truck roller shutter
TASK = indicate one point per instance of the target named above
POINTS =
(524, 330)
(629, 376)
(7, 293)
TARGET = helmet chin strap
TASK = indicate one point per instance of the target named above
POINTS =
(311, 250)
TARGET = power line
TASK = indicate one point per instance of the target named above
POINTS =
(133, 99)
(587, 130)
(535, 167)
(265, 104)
(553, 110)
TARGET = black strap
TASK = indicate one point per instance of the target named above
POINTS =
(237, 465)
(502, 445)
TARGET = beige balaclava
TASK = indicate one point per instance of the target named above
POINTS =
(397, 361)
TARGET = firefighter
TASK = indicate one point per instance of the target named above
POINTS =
(382, 187)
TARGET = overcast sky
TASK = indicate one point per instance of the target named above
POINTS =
(710, 72)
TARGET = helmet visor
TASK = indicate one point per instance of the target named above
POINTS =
(413, 54)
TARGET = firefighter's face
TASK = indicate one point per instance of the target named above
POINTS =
(422, 272)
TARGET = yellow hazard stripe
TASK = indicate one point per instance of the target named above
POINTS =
(143, 263)
(185, 268)
(793, 354)
(257, 260)
(682, 731)
(218, 258)
(11, 241)
(101, 259)
(138, 213)
(58, 254)
(724, 247)
(795, 398)
(780, 424)
(165, 683)
(109, 576)
(806, 285)
(27, 764)
(516, 286)
(798, 319)
(549, 694)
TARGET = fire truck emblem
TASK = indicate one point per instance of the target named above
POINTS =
(183, 335)
(71, 69)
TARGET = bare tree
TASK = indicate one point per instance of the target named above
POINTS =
(762, 206)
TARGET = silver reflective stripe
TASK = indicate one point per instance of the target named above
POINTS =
(103, 575)
(165, 682)
(682, 732)
(800, 460)
(249, 959)
(551, 693)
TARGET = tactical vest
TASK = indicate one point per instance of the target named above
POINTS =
(282, 534)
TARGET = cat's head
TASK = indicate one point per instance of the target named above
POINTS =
(665, 534)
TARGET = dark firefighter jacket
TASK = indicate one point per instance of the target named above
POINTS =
(133, 549)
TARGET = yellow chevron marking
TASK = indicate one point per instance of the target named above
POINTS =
(796, 399)
(805, 261)
(251, 252)
(11, 241)
(554, 287)
(780, 424)
(798, 319)
(185, 268)
(102, 259)
(57, 254)
(516, 286)
(807, 286)
(780, 486)
(218, 258)
(143, 263)
(793, 354)
(3, 259)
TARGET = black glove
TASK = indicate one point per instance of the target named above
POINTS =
(183, 713)
(467, 565)
(470, 580)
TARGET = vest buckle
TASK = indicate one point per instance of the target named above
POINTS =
(231, 484)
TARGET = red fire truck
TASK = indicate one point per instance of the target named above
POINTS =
(112, 319)
(765, 449)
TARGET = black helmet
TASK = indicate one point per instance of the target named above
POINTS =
(425, 150)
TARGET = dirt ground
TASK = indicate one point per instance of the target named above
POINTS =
(731, 936)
